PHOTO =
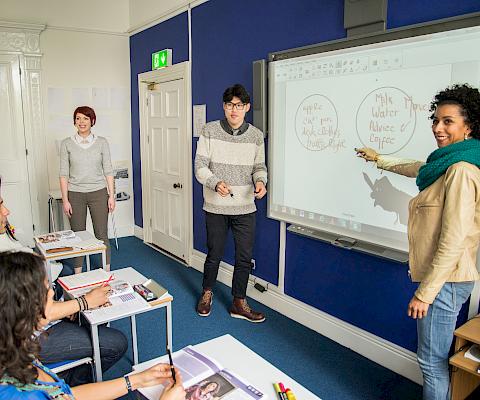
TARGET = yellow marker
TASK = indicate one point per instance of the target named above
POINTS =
(290, 395)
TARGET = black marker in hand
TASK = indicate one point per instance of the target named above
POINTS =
(171, 365)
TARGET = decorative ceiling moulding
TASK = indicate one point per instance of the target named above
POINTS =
(20, 37)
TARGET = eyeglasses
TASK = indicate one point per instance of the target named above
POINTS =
(237, 106)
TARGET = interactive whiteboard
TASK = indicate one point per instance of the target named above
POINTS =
(322, 106)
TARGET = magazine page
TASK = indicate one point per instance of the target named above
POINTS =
(204, 379)
(117, 307)
(56, 240)
(193, 366)
(118, 288)
(241, 389)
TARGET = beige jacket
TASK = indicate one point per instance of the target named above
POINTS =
(443, 226)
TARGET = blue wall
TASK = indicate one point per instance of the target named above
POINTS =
(171, 34)
(365, 291)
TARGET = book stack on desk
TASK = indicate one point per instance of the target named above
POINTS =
(57, 241)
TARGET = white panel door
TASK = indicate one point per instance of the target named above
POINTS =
(13, 158)
(165, 125)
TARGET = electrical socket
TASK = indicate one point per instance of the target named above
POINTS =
(254, 265)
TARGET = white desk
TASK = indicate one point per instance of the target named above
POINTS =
(242, 361)
(133, 277)
(77, 251)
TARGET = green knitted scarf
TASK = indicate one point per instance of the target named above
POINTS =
(439, 160)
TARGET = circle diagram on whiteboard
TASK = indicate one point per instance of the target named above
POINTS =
(386, 120)
(316, 124)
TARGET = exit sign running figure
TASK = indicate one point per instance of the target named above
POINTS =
(161, 59)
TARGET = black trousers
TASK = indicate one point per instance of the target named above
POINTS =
(243, 229)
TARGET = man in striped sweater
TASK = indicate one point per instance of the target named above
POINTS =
(230, 164)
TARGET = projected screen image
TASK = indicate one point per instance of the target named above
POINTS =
(323, 106)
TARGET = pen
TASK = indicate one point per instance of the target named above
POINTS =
(108, 280)
(171, 365)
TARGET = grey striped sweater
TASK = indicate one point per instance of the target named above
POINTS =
(238, 160)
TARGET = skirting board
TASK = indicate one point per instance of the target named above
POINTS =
(138, 231)
(381, 351)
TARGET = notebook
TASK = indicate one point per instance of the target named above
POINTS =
(86, 279)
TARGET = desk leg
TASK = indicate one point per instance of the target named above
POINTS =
(96, 353)
(88, 262)
(104, 260)
(134, 339)
(168, 321)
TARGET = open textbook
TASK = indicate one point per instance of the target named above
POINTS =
(203, 379)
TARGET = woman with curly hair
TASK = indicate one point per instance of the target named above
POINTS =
(443, 228)
(66, 339)
(23, 306)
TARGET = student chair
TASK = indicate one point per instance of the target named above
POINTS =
(68, 364)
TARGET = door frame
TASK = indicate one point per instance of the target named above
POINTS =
(174, 72)
(23, 41)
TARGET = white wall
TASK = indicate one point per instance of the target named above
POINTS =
(85, 52)
(88, 68)
(104, 15)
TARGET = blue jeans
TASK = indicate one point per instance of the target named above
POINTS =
(69, 341)
(435, 336)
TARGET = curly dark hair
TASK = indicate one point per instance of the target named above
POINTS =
(23, 295)
(465, 96)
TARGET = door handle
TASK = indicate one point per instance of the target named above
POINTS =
(177, 185)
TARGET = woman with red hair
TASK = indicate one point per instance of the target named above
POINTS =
(86, 179)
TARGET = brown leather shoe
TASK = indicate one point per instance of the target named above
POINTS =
(204, 304)
(241, 309)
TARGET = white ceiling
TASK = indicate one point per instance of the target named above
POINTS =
(117, 16)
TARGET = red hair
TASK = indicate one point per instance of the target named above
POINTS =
(85, 110)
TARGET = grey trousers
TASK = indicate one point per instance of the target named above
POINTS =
(97, 203)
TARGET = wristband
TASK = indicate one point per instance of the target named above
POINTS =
(79, 304)
(86, 302)
(128, 383)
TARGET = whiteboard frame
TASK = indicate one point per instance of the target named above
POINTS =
(327, 232)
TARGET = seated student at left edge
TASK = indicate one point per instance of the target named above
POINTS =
(22, 314)
(66, 340)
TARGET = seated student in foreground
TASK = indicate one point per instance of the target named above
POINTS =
(66, 340)
(25, 299)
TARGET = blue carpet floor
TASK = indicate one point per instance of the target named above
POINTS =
(326, 368)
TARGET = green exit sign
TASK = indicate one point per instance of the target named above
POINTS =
(161, 59)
